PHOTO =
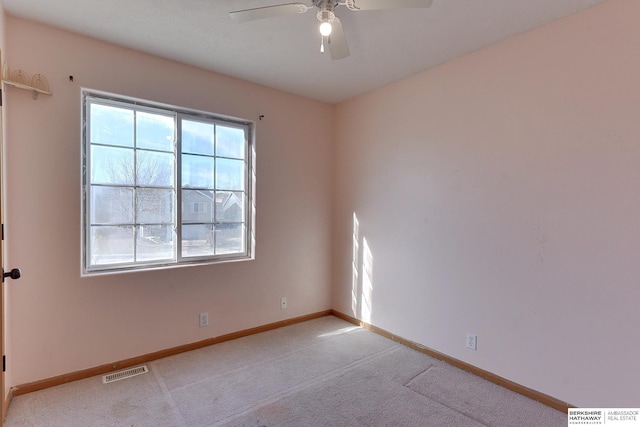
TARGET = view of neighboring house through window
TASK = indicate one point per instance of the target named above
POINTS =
(141, 161)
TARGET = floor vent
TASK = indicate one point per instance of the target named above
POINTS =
(127, 373)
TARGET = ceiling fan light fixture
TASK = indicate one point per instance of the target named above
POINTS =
(325, 28)
(325, 17)
(330, 25)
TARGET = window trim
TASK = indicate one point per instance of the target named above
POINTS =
(179, 113)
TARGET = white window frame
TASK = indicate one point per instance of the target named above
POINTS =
(178, 259)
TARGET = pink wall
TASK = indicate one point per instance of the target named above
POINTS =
(61, 322)
(499, 195)
(3, 59)
(2, 15)
(496, 194)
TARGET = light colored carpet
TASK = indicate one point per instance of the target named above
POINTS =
(324, 372)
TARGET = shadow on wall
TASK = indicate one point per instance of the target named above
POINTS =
(362, 275)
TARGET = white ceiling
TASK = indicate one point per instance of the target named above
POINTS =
(284, 52)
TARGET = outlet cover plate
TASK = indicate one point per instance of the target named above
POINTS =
(204, 319)
(472, 341)
(283, 303)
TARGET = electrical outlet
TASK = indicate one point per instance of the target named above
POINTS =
(283, 303)
(472, 341)
(204, 319)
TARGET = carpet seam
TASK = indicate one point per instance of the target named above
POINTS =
(451, 408)
(442, 403)
(416, 376)
(167, 395)
(242, 368)
(314, 381)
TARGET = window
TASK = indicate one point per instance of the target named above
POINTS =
(140, 162)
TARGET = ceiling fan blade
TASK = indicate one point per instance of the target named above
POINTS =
(386, 4)
(268, 11)
(337, 41)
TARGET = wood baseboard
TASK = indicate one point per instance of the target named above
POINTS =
(489, 376)
(134, 361)
(127, 363)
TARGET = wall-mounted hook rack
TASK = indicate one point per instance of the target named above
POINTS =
(37, 84)
(36, 91)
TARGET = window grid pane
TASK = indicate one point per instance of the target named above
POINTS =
(214, 220)
(130, 206)
(128, 175)
(112, 245)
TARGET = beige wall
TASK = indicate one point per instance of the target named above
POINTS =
(61, 322)
(499, 195)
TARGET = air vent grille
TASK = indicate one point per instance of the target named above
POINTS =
(124, 374)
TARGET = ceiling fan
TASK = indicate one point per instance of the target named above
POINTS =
(330, 26)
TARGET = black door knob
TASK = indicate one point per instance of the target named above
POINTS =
(13, 274)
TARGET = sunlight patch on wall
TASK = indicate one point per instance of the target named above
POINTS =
(367, 282)
(361, 275)
(355, 291)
